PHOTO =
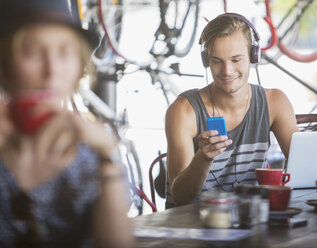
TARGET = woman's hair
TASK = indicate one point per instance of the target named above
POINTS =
(9, 44)
(224, 26)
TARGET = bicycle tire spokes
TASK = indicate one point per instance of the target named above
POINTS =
(177, 29)
(299, 8)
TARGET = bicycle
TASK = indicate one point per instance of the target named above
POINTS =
(99, 15)
(290, 28)
(169, 40)
(109, 58)
(111, 62)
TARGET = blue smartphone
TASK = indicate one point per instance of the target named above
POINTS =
(217, 123)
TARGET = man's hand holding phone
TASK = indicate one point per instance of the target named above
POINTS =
(214, 141)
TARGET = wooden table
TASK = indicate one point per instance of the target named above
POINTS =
(264, 235)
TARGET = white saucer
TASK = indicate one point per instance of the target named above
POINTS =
(290, 212)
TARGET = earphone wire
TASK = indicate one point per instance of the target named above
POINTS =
(220, 186)
(209, 85)
(206, 72)
(206, 76)
(233, 184)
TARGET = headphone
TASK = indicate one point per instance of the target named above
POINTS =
(255, 48)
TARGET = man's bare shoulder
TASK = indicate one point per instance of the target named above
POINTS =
(181, 105)
(180, 116)
(279, 105)
(275, 96)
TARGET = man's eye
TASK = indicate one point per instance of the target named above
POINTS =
(214, 61)
(236, 60)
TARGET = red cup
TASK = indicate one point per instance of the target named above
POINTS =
(23, 110)
(279, 197)
(269, 176)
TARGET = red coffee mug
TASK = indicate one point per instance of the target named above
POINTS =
(279, 197)
(23, 113)
(269, 176)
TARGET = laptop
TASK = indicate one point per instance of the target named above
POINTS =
(302, 160)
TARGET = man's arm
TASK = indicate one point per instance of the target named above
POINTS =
(282, 118)
(188, 171)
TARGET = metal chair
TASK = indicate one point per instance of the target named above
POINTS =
(152, 186)
(307, 122)
(146, 199)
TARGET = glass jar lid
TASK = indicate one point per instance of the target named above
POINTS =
(218, 197)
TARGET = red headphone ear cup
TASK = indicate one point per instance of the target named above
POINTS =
(255, 54)
(205, 58)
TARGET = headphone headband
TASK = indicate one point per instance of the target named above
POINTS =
(242, 18)
(255, 49)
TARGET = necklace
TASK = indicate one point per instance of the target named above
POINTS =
(235, 183)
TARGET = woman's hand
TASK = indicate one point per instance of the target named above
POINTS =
(61, 135)
(98, 136)
(211, 145)
(57, 140)
(53, 147)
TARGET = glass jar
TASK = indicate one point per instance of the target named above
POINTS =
(247, 205)
(253, 205)
(263, 203)
(218, 209)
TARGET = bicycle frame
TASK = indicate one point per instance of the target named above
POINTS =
(101, 109)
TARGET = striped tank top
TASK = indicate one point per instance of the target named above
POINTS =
(251, 141)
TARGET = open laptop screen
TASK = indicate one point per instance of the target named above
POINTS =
(302, 160)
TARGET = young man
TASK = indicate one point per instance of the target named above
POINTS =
(199, 160)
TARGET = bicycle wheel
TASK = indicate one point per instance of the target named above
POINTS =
(131, 161)
(296, 24)
(110, 17)
(179, 19)
(93, 14)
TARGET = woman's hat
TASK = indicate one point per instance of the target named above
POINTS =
(15, 14)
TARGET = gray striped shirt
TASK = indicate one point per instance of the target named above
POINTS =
(251, 141)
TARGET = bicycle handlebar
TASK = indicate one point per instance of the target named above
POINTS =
(99, 105)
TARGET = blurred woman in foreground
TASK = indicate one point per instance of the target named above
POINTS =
(59, 186)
